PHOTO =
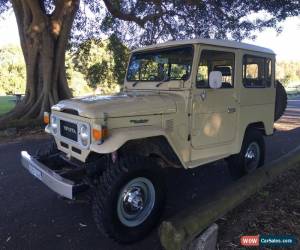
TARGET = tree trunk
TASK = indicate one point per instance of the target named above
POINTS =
(43, 40)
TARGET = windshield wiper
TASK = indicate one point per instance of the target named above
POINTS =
(163, 81)
(135, 83)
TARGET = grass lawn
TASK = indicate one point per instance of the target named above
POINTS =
(6, 104)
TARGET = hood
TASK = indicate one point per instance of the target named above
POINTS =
(125, 104)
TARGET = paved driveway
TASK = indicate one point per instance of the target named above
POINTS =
(33, 217)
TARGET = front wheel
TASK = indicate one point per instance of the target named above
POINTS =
(129, 198)
(251, 156)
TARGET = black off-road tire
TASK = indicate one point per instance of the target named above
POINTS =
(237, 163)
(107, 191)
(280, 101)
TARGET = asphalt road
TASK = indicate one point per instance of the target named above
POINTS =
(33, 217)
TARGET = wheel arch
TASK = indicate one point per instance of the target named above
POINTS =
(157, 147)
(256, 125)
(259, 125)
(144, 141)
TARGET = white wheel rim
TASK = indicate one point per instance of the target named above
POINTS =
(252, 157)
(136, 201)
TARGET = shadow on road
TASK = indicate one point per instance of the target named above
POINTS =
(33, 217)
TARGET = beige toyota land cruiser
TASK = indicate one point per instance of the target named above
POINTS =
(184, 104)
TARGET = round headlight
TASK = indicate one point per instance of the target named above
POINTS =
(84, 134)
(54, 124)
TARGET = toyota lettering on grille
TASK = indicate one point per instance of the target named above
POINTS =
(70, 130)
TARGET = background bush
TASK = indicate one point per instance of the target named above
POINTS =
(97, 66)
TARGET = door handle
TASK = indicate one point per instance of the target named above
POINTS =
(231, 110)
(202, 95)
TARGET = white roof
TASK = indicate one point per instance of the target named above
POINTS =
(222, 43)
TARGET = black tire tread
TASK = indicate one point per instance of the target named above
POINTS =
(235, 162)
(105, 184)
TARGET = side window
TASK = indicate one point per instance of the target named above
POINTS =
(212, 60)
(257, 72)
(180, 71)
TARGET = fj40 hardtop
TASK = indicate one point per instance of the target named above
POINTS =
(184, 104)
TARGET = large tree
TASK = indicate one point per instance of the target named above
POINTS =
(46, 26)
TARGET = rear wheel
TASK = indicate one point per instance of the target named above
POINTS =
(129, 199)
(251, 155)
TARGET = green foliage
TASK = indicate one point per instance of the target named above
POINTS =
(121, 55)
(148, 22)
(12, 70)
(95, 65)
(76, 80)
(97, 73)
(288, 72)
(6, 104)
(103, 63)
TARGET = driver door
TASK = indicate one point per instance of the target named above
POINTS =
(214, 111)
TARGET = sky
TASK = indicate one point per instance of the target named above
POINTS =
(286, 44)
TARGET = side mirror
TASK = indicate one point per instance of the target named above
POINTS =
(215, 80)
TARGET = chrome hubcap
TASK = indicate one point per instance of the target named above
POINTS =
(252, 157)
(133, 200)
(136, 201)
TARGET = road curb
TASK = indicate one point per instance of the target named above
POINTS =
(205, 241)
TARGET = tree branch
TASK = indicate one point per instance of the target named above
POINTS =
(62, 8)
(131, 17)
(38, 16)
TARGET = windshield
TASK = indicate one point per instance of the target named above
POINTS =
(167, 64)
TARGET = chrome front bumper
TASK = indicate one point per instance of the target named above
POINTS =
(58, 184)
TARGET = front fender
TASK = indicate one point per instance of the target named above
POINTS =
(118, 137)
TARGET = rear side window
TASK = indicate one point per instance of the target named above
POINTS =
(257, 71)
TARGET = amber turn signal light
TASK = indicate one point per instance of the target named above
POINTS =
(100, 133)
(46, 118)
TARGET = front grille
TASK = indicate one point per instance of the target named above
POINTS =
(76, 150)
(68, 130)
(65, 145)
